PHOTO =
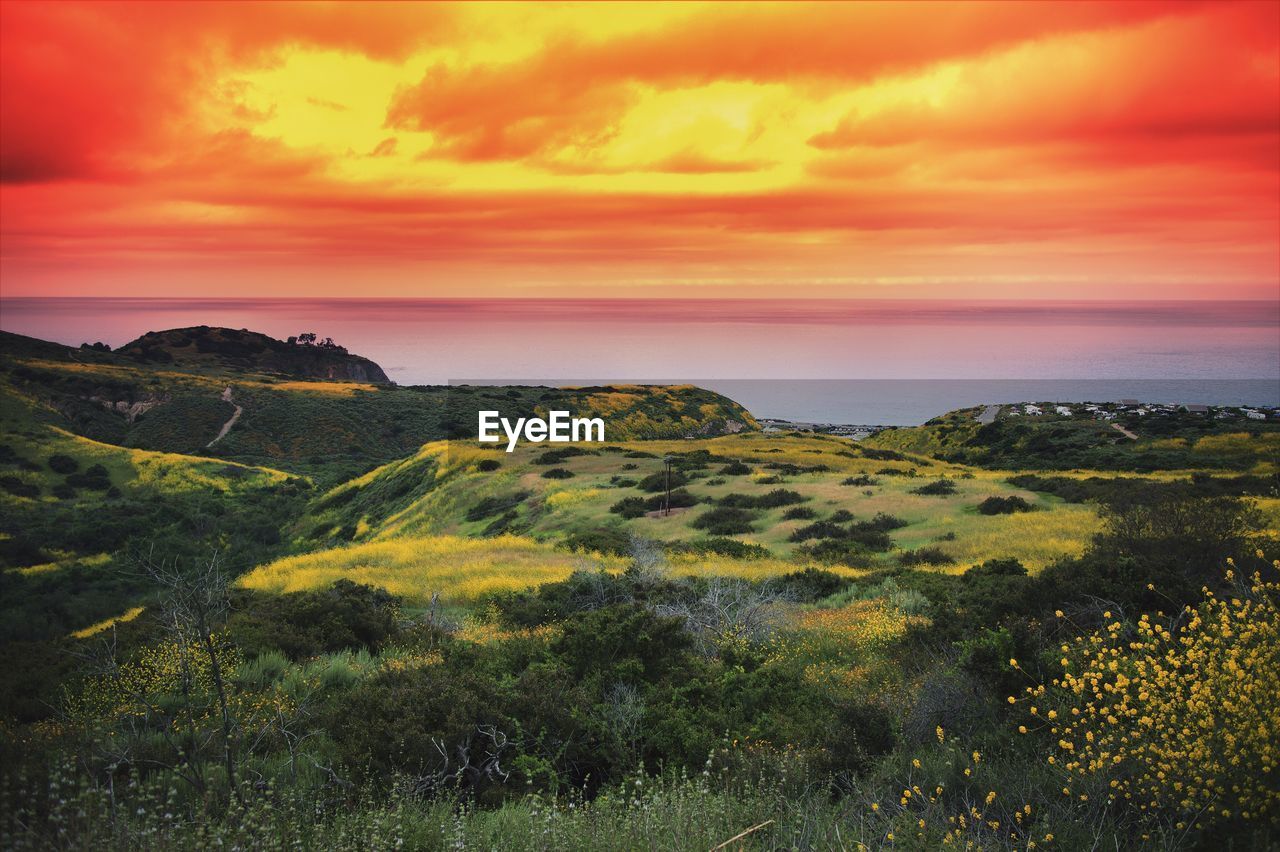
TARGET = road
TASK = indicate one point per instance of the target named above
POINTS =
(226, 427)
(988, 414)
(1124, 431)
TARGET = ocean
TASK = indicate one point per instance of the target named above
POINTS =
(888, 362)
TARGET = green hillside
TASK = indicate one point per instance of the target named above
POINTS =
(329, 429)
(1166, 440)
(413, 640)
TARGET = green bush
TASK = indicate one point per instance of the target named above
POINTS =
(725, 520)
(661, 480)
(926, 556)
(603, 540)
(773, 499)
(490, 506)
(63, 464)
(629, 507)
(1004, 505)
(19, 488)
(730, 547)
(302, 624)
(937, 488)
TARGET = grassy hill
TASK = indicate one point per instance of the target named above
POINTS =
(786, 501)
(1170, 440)
(329, 429)
(815, 626)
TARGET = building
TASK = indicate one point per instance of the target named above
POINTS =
(1195, 409)
(1063, 410)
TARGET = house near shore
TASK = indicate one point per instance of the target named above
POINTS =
(1254, 415)
(1032, 410)
(1063, 410)
(1195, 409)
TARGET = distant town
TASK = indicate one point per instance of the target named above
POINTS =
(852, 431)
(1106, 411)
(1129, 407)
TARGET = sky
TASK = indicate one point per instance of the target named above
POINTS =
(975, 151)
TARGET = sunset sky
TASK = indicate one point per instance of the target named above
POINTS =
(1005, 150)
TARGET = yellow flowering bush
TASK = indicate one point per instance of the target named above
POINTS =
(1177, 716)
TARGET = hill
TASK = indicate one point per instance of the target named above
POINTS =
(158, 395)
(1108, 437)
(251, 352)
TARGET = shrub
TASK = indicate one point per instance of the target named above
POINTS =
(556, 456)
(629, 507)
(811, 584)
(799, 513)
(730, 547)
(661, 480)
(487, 465)
(89, 480)
(997, 568)
(1181, 713)
(622, 482)
(725, 520)
(773, 499)
(680, 499)
(19, 488)
(490, 506)
(504, 523)
(557, 473)
(602, 540)
(821, 529)
(1004, 505)
(925, 556)
(303, 624)
(862, 480)
(937, 488)
(735, 468)
(59, 463)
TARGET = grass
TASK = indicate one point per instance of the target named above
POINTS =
(431, 492)
(459, 569)
(106, 624)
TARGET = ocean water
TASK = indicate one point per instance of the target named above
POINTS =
(867, 361)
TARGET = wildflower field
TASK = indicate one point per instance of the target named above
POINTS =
(754, 640)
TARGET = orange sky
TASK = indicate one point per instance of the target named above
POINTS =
(1122, 150)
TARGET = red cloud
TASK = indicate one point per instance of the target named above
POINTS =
(100, 90)
(573, 91)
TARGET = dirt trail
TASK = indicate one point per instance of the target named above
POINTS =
(226, 427)
(1124, 431)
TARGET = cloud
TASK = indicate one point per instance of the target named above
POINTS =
(963, 142)
(575, 89)
(101, 90)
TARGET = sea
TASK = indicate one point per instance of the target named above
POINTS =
(874, 362)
